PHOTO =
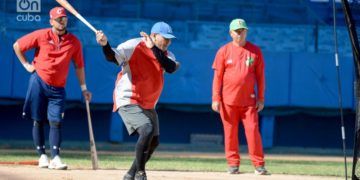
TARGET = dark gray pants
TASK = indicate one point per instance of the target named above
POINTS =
(135, 116)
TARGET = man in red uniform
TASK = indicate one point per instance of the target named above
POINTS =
(239, 67)
(138, 87)
(54, 48)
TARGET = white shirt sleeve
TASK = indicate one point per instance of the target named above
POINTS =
(171, 56)
(124, 51)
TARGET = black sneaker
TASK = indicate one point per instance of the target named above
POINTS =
(128, 177)
(233, 170)
(140, 175)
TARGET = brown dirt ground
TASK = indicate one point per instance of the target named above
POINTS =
(14, 172)
(245, 156)
(23, 172)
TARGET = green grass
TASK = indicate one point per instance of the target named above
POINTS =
(81, 160)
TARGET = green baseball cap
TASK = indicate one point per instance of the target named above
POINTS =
(238, 24)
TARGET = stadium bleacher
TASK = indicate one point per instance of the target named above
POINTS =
(203, 24)
(295, 36)
(326, 42)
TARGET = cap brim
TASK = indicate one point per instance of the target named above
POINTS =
(238, 28)
(168, 36)
(59, 16)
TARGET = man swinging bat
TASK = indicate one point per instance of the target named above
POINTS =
(138, 87)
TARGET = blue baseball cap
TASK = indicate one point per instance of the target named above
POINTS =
(163, 29)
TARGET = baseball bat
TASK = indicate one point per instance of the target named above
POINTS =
(67, 6)
(94, 158)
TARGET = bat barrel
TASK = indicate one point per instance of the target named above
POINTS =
(72, 10)
(82, 19)
(94, 158)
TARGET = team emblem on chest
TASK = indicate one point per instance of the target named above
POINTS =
(249, 61)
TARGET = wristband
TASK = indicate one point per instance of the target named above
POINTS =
(26, 65)
(83, 87)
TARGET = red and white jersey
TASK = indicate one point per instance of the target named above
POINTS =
(142, 77)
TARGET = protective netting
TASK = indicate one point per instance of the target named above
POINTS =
(356, 164)
(351, 25)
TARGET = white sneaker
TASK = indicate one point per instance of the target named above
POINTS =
(261, 171)
(57, 164)
(43, 161)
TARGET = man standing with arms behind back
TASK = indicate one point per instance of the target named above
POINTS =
(239, 67)
(54, 48)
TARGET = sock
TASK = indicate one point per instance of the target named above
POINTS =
(55, 138)
(154, 143)
(39, 137)
(142, 146)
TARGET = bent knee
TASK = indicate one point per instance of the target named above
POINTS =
(54, 124)
(146, 130)
(38, 123)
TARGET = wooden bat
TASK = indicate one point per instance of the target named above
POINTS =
(72, 10)
(94, 158)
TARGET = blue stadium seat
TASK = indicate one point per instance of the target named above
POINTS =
(154, 10)
(227, 11)
(253, 13)
(139, 26)
(180, 29)
(183, 11)
(204, 11)
(326, 40)
(209, 35)
(114, 8)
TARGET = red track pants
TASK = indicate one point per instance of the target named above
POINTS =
(231, 116)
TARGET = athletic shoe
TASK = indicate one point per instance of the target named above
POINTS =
(128, 177)
(233, 170)
(261, 171)
(57, 164)
(43, 161)
(140, 175)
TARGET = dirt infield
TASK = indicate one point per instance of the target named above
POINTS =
(16, 172)
(246, 156)
(24, 172)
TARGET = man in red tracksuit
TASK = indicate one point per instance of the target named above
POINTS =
(239, 67)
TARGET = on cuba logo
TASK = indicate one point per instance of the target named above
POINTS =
(25, 7)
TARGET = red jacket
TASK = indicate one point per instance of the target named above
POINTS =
(237, 71)
(53, 54)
